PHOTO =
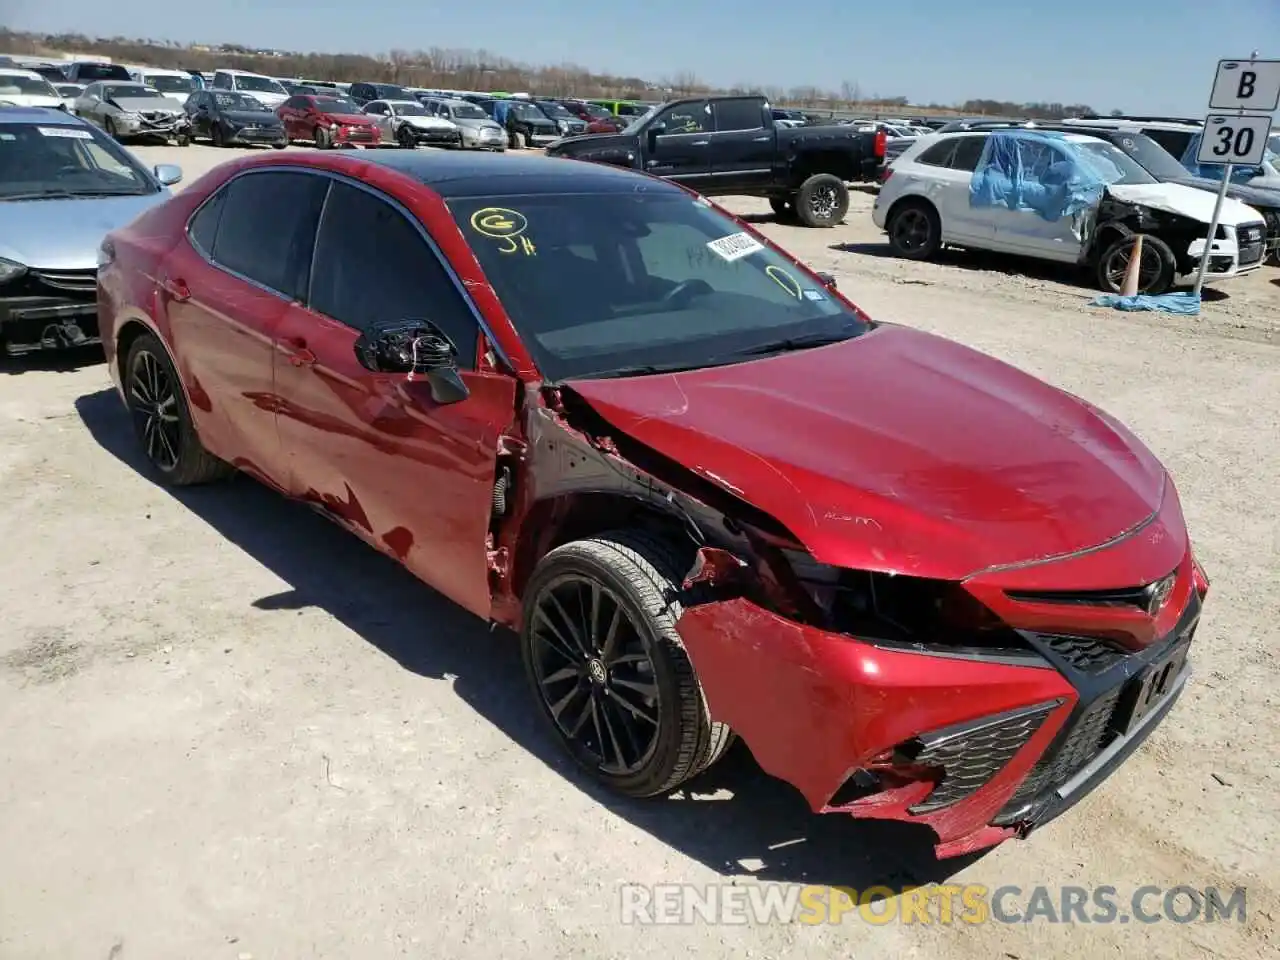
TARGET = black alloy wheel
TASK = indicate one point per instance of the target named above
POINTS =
(153, 401)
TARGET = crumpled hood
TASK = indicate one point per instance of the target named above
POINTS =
(65, 234)
(1187, 201)
(147, 104)
(898, 451)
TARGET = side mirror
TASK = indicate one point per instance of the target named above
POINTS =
(828, 280)
(417, 348)
(655, 131)
(168, 173)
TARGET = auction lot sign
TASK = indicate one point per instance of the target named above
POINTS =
(938, 904)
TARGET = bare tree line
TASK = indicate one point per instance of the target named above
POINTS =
(467, 69)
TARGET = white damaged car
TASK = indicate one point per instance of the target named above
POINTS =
(408, 123)
(1070, 198)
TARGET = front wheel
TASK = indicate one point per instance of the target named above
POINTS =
(517, 141)
(407, 141)
(184, 140)
(822, 200)
(1155, 271)
(324, 139)
(109, 127)
(219, 138)
(162, 419)
(608, 669)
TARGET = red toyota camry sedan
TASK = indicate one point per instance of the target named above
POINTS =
(711, 495)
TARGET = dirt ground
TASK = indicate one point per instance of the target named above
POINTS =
(232, 731)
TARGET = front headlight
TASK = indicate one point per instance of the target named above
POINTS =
(9, 270)
(130, 117)
(562, 126)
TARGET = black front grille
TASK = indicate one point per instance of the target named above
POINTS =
(1087, 654)
(357, 134)
(969, 755)
(1122, 597)
(1083, 740)
(1251, 253)
(68, 281)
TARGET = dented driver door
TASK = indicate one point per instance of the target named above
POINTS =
(373, 450)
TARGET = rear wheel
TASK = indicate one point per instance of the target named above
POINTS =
(915, 232)
(1155, 272)
(822, 200)
(163, 421)
(609, 670)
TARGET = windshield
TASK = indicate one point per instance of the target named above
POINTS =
(13, 84)
(410, 109)
(526, 111)
(1152, 157)
(634, 125)
(59, 160)
(389, 91)
(597, 111)
(238, 101)
(129, 91)
(1113, 164)
(468, 111)
(337, 105)
(599, 283)
(259, 84)
(101, 71)
(554, 110)
(68, 90)
(169, 84)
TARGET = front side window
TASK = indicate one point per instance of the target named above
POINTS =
(38, 160)
(267, 227)
(657, 279)
(685, 118)
(372, 266)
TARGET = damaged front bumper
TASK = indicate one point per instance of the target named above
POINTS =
(1234, 252)
(162, 126)
(49, 310)
(978, 747)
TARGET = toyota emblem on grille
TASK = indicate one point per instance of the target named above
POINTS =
(1158, 593)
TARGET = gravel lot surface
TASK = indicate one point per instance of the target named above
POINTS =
(231, 730)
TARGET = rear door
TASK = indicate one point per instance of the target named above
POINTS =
(742, 144)
(1025, 231)
(953, 172)
(225, 294)
(682, 150)
(412, 477)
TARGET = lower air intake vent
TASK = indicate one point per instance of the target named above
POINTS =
(970, 754)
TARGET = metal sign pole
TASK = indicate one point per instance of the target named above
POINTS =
(1213, 230)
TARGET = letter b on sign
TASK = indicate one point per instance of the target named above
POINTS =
(1246, 85)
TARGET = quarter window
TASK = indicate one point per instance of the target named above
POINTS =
(267, 227)
(372, 266)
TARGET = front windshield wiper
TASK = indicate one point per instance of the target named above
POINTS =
(790, 344)
(643, 370)
(68, 194)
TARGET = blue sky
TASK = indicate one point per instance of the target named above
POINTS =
(1144, 56)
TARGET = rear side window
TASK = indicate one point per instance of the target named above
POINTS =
(738, 115)
(968, 153)
(372, 266)
(267, 226)
(938, 155)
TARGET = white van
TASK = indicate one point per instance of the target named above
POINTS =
(265, 90)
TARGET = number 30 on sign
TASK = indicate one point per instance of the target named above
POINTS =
(1238, 140)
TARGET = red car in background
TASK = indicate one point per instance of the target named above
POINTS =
(328, 121)
(712, 496)
(598, 119)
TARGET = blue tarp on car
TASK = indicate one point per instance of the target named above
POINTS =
(1041, 172)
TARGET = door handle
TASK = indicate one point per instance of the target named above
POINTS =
(177, 290)
(699, 143)
(296, 350)
(761, 139)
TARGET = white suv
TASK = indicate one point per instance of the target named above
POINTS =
(266, 90)
(1070, 198)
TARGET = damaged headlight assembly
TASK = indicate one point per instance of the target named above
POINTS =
(11, 270)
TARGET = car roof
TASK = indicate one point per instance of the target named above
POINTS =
(470, 174)
(45, 116)
(244, 73)
(401, 103)
(162, 71)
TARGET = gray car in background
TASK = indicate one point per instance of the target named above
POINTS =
(63, 186)
(128, 111)
(479, 130)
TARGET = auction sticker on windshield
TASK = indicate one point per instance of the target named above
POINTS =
(735, 246)
(70, 133)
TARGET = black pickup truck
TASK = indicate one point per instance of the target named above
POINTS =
(723, 146)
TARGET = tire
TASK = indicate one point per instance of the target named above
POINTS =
(784, 208)
(822, 200)
(323, 139)
(219, 138)
(639, 573)
(172, 447)
(517, 141)
(1155, 274)
(109, 127)
(184, 141)
(915, 230)
(405, 138)
(278, 146)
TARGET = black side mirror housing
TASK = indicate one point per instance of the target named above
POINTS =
(417, 348)
(653, 133)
